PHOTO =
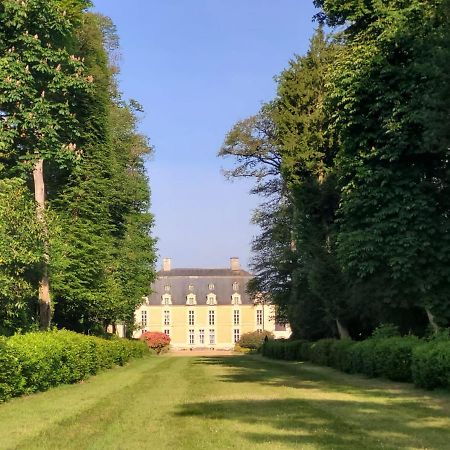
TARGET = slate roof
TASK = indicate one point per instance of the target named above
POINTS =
(179, 281)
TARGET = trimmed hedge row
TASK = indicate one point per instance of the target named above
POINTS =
(37, 361)
(426, 363)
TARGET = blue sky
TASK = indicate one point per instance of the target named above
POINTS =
(197, 67)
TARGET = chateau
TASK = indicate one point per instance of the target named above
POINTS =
(205, 308)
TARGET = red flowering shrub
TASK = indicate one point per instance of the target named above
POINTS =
(156, 340)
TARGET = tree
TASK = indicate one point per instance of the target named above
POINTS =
(389, 93)
(41, 84)
(21, 252)
(253, 145)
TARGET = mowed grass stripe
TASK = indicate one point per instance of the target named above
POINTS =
(235, 402)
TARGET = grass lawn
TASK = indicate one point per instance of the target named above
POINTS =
(240, 402)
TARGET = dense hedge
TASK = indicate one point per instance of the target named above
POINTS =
(254, 339)
(426, 363)
(37, 361)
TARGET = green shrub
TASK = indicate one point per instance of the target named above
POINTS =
(254, 339)
(392, 357)
(37, 361)
(319, 352)
(12, 381)
(244, 350)
(431, 364)
(274, 348)
(340, 356)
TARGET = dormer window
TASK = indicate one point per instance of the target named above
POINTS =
(190, 299)
(235, 286)
(236, 299)
(167, 288)
(211, 299)
(191, 287)
(166, 299)
(211, 286)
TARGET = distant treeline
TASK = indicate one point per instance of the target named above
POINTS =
(352, 161)
(75, 245)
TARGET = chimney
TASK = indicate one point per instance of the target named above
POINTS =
(234, 263)
(167, 263)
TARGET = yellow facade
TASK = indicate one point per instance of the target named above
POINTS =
(204, 326)
(204, 308)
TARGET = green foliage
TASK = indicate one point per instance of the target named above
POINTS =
(11, 379)
(396, 358)
(59, 102)
(320, 352)
(38, 361)
(21, 252)
(387, 96)
(385, 330)
(340, 356)
(254, 339)
(431, 364)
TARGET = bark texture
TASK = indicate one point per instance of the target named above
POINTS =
(44, 285)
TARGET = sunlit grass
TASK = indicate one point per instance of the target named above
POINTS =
(235, 402)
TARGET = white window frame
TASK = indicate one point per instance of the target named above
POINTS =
(191, 337)
(166, 317)
(259, 317)
(201, 336)
(236, 299)
(211, 317)
(191, 299)
(236, 317)
(236, 335)
(211, 299)
(212, 336)
(191, 317)
(144, 318)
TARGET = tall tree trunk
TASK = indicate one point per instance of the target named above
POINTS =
(342, 330)
(433, 323)
(44, 287)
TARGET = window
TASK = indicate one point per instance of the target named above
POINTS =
(236, 317)
(211, 299)
(235, 286)
(167, 288)
(236, 335)
(259, 317)
(211, 286)
(191, 317)
(212, 337)
(259, 330)
(190, 299)
(167, 332)
(144, 318)
(166, 299)
(191, 337)
(191, 287)
(236, 299)
(166, 317)
(201, 336)
(211, 318)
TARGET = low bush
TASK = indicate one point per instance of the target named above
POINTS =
(156, 341)
(431, 364)
(340, 355)
(426, 363)
(319, 352)
(254, 339)
(392, 357)
(244, 350)
(37, 361)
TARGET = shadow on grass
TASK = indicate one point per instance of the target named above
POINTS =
(367, 418)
